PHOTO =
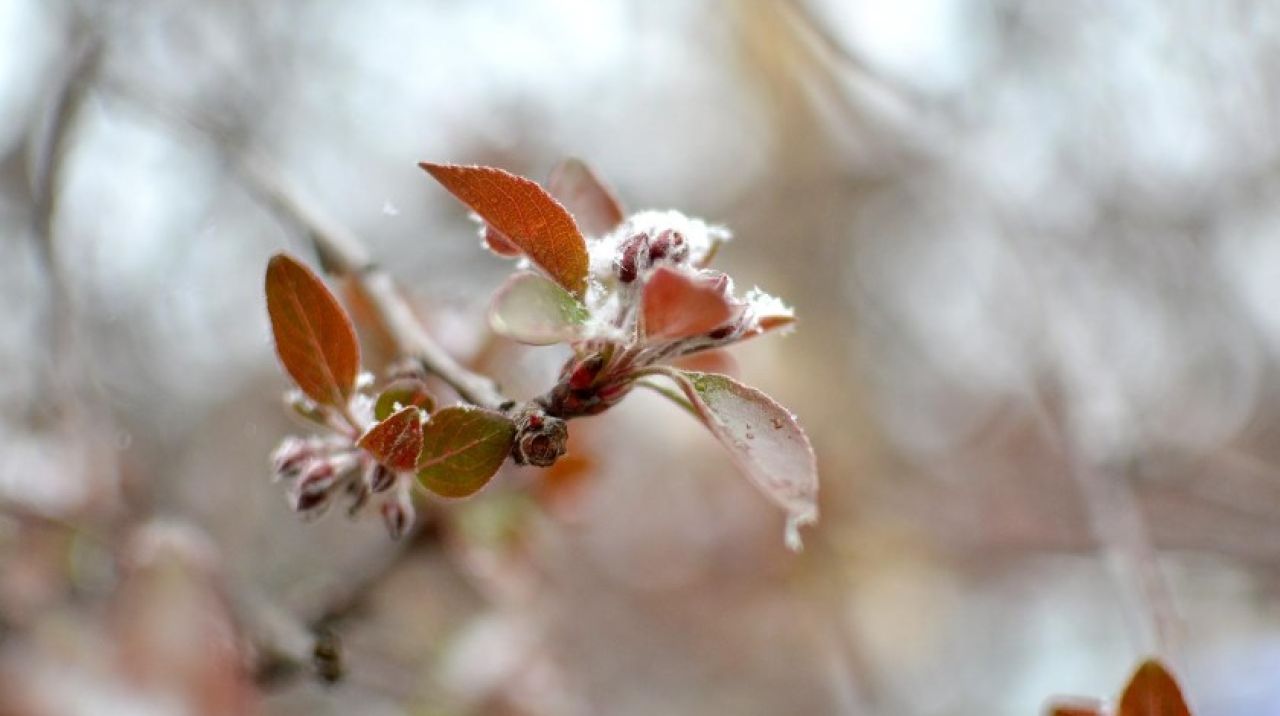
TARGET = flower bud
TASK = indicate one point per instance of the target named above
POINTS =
(540, 439)
(397, 514)
(380, 478)
(292, 454)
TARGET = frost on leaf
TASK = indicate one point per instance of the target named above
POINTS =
(531, 309)
(594, 206)
(402, 393)
(1152, 692)
(396, 441)
(314, 337)
(462, 448)
(766, 442)
(523, 214)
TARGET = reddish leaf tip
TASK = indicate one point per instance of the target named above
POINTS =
(525, 215)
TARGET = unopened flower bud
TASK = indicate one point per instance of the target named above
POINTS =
(540, 439)
(670, 245)
(288, 459)
(380, 478)
(397, 514)
(627, 264)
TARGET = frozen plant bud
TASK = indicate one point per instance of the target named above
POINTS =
(397, 514)
(288, 459)
(379, 478)
(540, 438)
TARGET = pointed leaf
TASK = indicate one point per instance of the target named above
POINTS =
(532, 309)
(462, 448)
(396, 441)
(1152, 692)
(594, 206)
(763, 438)
(524, 214)
(402, 393)
(678, 304)
(314, 337)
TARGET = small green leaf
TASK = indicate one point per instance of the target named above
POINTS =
(403, 392)
(397, 441)
(764, 439)
(462, 448)
(532, 309)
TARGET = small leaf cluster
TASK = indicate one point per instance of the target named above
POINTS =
(373, 444)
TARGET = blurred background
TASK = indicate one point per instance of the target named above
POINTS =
(1033, 248)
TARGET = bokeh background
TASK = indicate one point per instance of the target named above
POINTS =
(1033, 247)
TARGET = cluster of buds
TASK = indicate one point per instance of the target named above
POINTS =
(321, 470)
(651, 300)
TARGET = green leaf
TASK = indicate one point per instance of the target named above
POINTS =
(462, 448)
(532, 309)
(525, 215)
(764, 439)
(313, 334)
(397, 441)
(1152, 692)
(403, 392)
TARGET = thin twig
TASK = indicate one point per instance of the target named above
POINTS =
(343, 255)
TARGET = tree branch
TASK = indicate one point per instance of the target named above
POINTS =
(343, 255)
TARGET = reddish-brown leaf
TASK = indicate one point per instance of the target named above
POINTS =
(462, 449)
(678, 304)
(524, 214)
(314, 337)
(1152, 692)
(596, 208)
(396, 441)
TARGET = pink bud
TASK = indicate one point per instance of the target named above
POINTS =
(293, 453)
(380, 478)
(314, 486)
(627, 263)
(398, 515)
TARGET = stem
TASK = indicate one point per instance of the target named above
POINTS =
(344, 256)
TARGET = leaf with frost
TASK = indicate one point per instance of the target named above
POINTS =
(402, 393)
(595, 207)
(764, 439)
(314, 337)
(397, 441)
(462, 448)
(525, 215)
(532, 309)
